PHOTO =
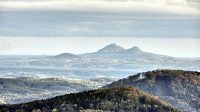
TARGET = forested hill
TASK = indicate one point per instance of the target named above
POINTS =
(117, 99)
(180, 88)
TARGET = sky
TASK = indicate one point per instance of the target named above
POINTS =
(114, 21)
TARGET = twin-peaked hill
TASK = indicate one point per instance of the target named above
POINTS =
(116, 49)
(117, 52)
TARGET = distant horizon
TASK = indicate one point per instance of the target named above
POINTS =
(175, 47)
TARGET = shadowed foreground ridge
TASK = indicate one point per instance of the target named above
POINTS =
(120, 99)
(179, 88)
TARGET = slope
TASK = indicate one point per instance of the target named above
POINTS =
(114, 99)
(180, 88)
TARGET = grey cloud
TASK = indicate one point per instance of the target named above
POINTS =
(118, 20)
(79, 24)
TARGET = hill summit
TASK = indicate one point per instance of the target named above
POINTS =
(134, 50)
(112, 48)
(66, 55)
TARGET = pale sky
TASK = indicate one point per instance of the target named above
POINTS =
(169, 27)
(165, 6)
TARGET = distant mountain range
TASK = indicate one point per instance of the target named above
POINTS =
(110, 51)
(111, 56)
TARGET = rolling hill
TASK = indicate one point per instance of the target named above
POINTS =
(66, 56)
(26, 89)
(114, 99)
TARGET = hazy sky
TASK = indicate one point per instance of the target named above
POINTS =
(168, 27)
